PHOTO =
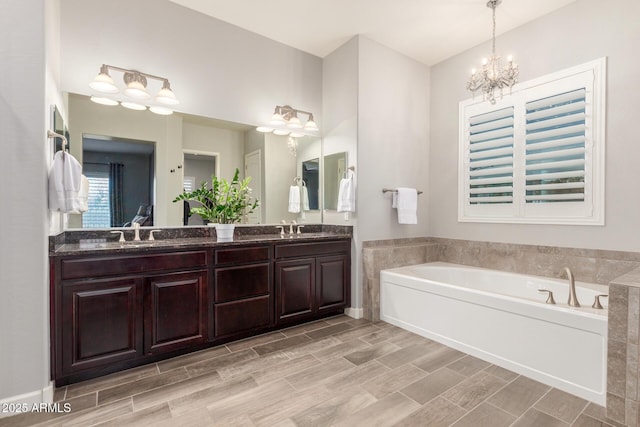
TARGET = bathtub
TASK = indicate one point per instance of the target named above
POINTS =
(502, 318)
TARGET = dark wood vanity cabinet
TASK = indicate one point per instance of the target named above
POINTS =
(114, 310)
(312, 279)
(243, 291)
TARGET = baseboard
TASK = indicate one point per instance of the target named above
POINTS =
(356, 313)
(14, 405)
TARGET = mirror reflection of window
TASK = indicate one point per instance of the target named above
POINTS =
(120, 174)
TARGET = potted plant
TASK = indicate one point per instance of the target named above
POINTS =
(224, 204)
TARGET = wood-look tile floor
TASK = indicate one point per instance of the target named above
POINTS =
(337, 371)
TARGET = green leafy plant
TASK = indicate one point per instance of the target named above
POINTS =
(225, 202)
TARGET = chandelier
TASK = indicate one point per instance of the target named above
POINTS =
(135, 93)
(493, 76)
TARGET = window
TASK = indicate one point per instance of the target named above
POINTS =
(537, 155)
(99, 213)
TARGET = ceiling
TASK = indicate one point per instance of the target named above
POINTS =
(429, 31)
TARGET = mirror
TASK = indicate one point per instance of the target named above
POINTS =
(335, 166)
(272, 161)
(311, 181)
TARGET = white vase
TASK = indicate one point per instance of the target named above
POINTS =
(224, 232)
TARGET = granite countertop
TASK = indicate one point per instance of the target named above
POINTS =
(103, 242)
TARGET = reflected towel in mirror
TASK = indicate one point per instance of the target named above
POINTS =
(294, 199)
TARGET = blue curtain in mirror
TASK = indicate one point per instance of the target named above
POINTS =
(116, 172)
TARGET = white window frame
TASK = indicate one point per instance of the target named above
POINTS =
(591, 76)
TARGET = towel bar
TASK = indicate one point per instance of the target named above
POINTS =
(391, 190)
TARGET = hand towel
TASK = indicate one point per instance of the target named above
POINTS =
(407, 205)
(294, 199)
(346, 196)
(304, 198)
(64, 183)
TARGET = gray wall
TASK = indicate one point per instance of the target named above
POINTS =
(24, 117)
(578, 33)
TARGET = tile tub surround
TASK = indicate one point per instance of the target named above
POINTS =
(381, 254)
(623, 375)
(587, 265)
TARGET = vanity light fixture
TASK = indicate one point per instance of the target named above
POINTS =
(136, 88)
(493, 76)
(285, 121)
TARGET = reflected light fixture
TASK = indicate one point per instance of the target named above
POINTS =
(285, 121)
(493, 76)
(136, 89)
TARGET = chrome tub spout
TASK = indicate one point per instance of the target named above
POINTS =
(573, 299)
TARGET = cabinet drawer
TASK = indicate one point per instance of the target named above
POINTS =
(128, 264)
(242, 315)
(241, 282)
(246, 254)
(310, 249)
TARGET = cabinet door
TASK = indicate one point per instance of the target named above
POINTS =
(101, 323)
(295, 283)
(332, 282)
(175, 311)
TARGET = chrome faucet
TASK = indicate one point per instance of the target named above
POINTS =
(293, 223)
(136, 229)
(573, 299)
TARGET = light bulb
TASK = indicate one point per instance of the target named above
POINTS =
(133, 106)
(103, 101)
(103, 83)
(163, 111)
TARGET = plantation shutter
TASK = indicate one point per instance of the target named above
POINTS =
(491, 157)
(536, 156)
(555, 148)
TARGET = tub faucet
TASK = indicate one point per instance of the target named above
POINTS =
(573, 299)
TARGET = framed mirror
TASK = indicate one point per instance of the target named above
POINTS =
(335, 167)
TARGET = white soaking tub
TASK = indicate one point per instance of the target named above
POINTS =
(502, 318)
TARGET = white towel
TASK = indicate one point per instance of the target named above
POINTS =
(407, 205)
(83, 196)
(294, 199)
(346, 196)
(304, 198)
(64, 183)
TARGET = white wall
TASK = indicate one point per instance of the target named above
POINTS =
(580, 32)
(393, 139)
(216, 69)
(24, 118)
